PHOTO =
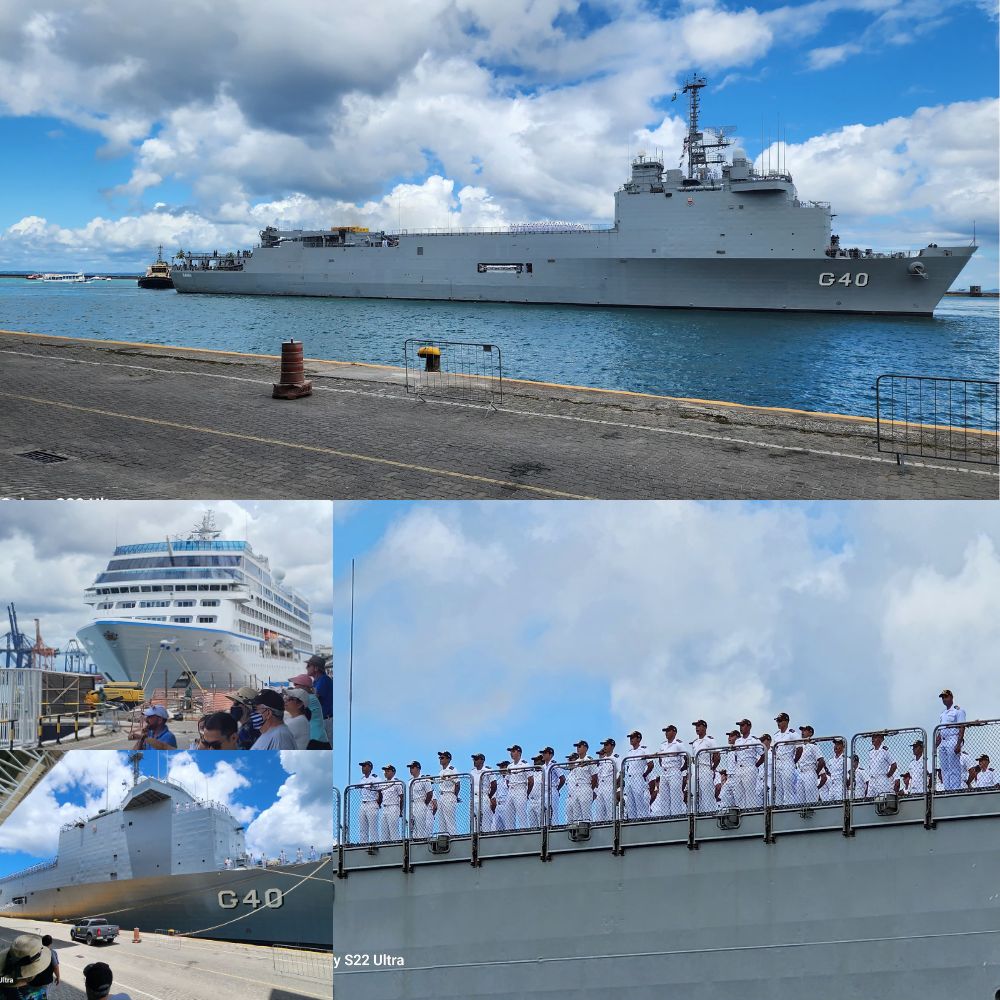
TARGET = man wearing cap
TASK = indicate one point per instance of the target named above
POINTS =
(390, 805)
(913, 781)
(481, 784)
(949, 742)
(765, 777)
(811, 767)
(743, 773)
(582, 784)
(421, 803)
(503, 815)
(323, 689)
(519, 780)
(156, 735)
(881, 767)
(97, 980)
(24, 964)
(834, 789)
(241, 710)
(555, 778)
(982, 775)
(447, 788)
(607, 781)
(274, 734)
(368, 813)
(784, 762)
(669, 782)
(705, 765)
(635, 777)
(535, 792)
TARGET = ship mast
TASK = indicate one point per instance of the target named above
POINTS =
(206, 530)
(134, 758)
(694, 143)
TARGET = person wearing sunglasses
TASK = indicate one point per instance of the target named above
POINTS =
(218, 732)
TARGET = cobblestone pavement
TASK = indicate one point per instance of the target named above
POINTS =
(143, 421)
(161, 968)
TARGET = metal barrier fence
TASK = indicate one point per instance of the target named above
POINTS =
(934, 417)
(443, 804)
(884, 758)
(374, 813)
(510, 799)
(666, 781)
(303, 964)
(454, 369)
(590, 793)
(966, 770)
(807, 772)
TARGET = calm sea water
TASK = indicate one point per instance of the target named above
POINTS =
(812, 362)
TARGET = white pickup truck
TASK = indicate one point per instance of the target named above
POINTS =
(94, 930)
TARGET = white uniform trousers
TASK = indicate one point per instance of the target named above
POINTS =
(706, 791)
(368, 823)
(604, 805)
(745, 793)
(388, 824)
(535, 808)
(808, 788)
(636, 796)
(784, 783)
(423, 820)
(518, 807)
(447, 806)
(579, 805)
(670, 797)
(952, 777)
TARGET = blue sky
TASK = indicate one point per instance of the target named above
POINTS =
(282, 798)
(129, 134)
(482, 624)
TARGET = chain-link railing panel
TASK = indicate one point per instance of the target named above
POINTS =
(659, 780)
(881, 758)
(803, 773)
(739, 776)
(703, 796)
(441, 804)
(510, 799)
(967, 756)
(590, 792)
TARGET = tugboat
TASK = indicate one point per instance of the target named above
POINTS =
(157, 274)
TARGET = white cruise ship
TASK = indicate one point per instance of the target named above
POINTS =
(200, 607)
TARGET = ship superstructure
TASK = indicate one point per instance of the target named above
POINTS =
(200, 608)
(718, 233)
(166, 859)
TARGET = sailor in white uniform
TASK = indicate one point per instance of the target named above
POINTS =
(784, 762)
(503, 814)
(608, 765)
(811, 767)
(860, 778)
(536, 785)
(635, 777)
(744, 768)
(982, 775)
(555, 779)
(881, 767)
(368, 813)
(704, 767)
(725, 789)
(672, 767)
(765, 770)
(949, 743)
(421, 803)
(518, 778)
(481, 778)
(913, 780)
(834, 789)
(582, 783)
(447, 794)
(390, 806)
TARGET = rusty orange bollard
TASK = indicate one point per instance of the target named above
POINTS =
(136, 939)
(293, 384)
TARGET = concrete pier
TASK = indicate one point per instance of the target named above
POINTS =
(139, 420)
(166, 968)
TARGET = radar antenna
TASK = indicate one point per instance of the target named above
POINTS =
(695, 146)
(134, 758)
(206, 530)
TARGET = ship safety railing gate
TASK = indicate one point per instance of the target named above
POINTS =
(805, 785)
(965, 763)
(949, 419)
(582, 814)
(656, 796)
(508, 802)
(373, 813)
(726, 795)
(455, 370)
(888, 777)
(440, 819)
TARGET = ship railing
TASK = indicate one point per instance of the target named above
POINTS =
(805, 784)
(42, 866)
(505, 231)
(589, 795)
(889, 762)
(728, 777)
(366, 822)
(517, 804)
(966, 757)
(338, 819)
(938, 417)
(440, 805)
(655, 786)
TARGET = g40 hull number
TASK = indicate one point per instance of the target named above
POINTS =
(828, 278)
(229, 900)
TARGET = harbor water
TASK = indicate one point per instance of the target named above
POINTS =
(805, 361)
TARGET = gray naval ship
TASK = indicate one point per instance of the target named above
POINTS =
(165, 860)
(717, 234)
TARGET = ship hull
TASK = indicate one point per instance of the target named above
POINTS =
(564, 272)
(155, 282)
(155, 654)
(200, 905)
(894, 911)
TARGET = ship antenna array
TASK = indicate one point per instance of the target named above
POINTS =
(134, 759)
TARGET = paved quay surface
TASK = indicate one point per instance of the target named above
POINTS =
(162, 968)
(139, 420)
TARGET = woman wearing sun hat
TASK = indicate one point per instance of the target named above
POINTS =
(317, 731)
(25, 969)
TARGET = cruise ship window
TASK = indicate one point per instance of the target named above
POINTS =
(210, 604)
(186, 604)
(126, 604)
(206, 619)
(182, 619)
